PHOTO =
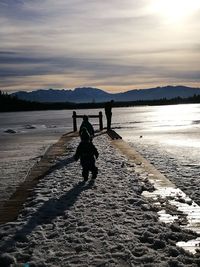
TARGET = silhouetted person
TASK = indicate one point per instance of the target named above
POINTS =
(108, 112)
(87, 153)
(86, 124)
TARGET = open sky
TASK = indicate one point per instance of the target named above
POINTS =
(114, 45)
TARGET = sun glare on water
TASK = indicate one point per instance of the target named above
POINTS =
(175, 11)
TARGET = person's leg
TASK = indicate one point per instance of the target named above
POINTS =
(94, 172)
(109, 122)
(85, 173)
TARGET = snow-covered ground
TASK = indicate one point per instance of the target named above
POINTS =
(182, 168)
(103, 223)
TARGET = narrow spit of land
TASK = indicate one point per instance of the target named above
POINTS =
(106, 222)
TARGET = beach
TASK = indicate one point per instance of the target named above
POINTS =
(106, 222)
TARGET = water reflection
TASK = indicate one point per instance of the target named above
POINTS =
(175, 114)
(185, 142)
(172, 125)
(155, 116)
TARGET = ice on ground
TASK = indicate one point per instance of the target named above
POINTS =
(17, 157)
(106, 222)
(179, 165)
(10, 131)
(191, 245)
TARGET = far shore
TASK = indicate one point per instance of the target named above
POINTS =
(13, 104)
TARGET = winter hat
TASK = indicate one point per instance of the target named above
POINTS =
(85, 118)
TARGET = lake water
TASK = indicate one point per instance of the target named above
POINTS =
(169, 136)
(175, 128)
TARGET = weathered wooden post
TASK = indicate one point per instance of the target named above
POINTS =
(100, 121)
(74, 121)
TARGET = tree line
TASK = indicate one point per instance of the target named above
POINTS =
(12, 103)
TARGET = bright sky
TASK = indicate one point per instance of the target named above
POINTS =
(114, 45)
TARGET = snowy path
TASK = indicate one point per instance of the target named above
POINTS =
(106, 223)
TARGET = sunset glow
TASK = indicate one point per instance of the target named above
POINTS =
(113, 45)
(175, 11)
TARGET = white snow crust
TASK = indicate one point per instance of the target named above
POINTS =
(106, 222)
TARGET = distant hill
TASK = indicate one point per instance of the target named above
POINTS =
(13, 103)
(167, 92)
(88, 94)
(78, 95)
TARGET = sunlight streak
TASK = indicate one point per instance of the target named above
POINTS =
(175, 11)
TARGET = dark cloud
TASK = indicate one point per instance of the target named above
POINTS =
(9, 3)
(17, 65)
(7, 53)
(186, 75)
(103, 69)
(19, 10)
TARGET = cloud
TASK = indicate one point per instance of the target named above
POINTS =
(73, 72)
(93, 42)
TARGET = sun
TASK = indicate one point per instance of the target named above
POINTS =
(175, 10)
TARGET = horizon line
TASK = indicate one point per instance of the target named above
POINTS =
(91, 87)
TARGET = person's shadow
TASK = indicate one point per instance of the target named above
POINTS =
(48, 212)
(60, 164)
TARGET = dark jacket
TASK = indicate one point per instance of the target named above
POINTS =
(88, 126)
(87, 152)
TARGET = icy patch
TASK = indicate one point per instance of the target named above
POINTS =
(30, 127)
(186, 213)
(166, 218)
(51, 126)
(11, 131)
(191, 245)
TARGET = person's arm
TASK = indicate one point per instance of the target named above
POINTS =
(92, 130)
(81, 127)
(96, 153)
(77, 154)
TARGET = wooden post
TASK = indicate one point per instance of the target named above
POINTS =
(75, 116)
(74, 121)
(100, 121)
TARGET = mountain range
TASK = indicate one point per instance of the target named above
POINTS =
(89, 94)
